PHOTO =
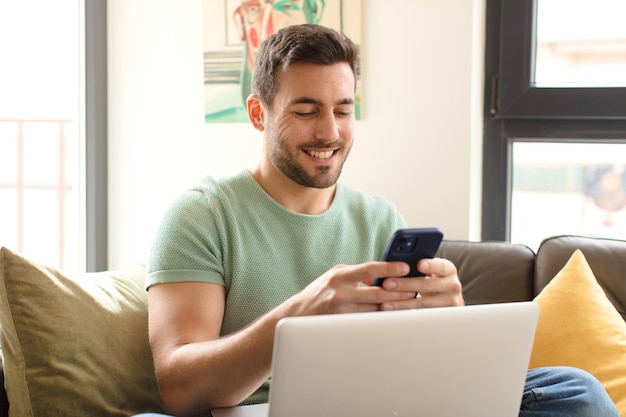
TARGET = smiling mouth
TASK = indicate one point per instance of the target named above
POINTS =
(320, 154)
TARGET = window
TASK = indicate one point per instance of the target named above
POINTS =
(555, 119)
(51, 131)
(580, 44)
(38, 184)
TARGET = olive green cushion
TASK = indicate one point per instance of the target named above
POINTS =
(75, 345)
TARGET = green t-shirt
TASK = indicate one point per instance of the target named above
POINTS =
(231, 232)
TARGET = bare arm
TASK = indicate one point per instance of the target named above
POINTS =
(198, 371)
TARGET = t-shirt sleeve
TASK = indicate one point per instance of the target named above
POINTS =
(187, 246)
(400, 221)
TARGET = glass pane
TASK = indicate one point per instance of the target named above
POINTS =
(39, 130)
(567, 188)
(8, 223)
(580, 43)
(41, 153)
(8, 146)
(41, 215)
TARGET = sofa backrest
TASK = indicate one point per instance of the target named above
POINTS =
(492, 272)
(606, 257)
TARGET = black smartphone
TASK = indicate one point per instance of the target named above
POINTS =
(411, 245)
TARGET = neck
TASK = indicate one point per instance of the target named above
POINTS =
(293, 196)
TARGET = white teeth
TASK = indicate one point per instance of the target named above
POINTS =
(320, 155)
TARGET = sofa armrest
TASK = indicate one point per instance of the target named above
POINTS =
(606, 257)
(492, 272)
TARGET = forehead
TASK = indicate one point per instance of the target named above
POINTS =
(335, 81)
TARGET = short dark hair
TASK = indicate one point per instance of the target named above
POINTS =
(307, 42)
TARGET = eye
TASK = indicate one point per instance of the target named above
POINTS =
(304, 114)
(344, 113)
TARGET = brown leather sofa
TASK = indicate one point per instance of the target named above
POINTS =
(494, 272)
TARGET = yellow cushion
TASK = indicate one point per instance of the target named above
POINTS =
(75, 345)
(578, 326)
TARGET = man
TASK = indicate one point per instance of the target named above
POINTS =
(233, 256)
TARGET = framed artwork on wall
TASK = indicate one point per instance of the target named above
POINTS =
(233, 31)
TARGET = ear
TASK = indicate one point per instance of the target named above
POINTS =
(256, 112)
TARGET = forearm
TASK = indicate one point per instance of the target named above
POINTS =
(197, 377)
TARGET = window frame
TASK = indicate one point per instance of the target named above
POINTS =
(515, 110)
(95, 111)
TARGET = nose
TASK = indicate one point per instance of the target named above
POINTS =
(327, 128)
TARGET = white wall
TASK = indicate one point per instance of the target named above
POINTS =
(418, 143)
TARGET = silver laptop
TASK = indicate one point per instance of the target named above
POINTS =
(442, 362)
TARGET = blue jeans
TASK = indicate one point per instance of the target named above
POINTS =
(556, 392)
(564, 391)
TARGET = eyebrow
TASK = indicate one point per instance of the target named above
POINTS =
(310, 100)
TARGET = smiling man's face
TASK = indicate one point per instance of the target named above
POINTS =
(310, 126)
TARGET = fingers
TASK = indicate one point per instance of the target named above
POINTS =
(440, 287)
(371, 270)
(436, 267)
(339, 290)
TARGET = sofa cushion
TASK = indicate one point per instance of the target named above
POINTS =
(578, 326)
(492, 272)
(75, 345)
